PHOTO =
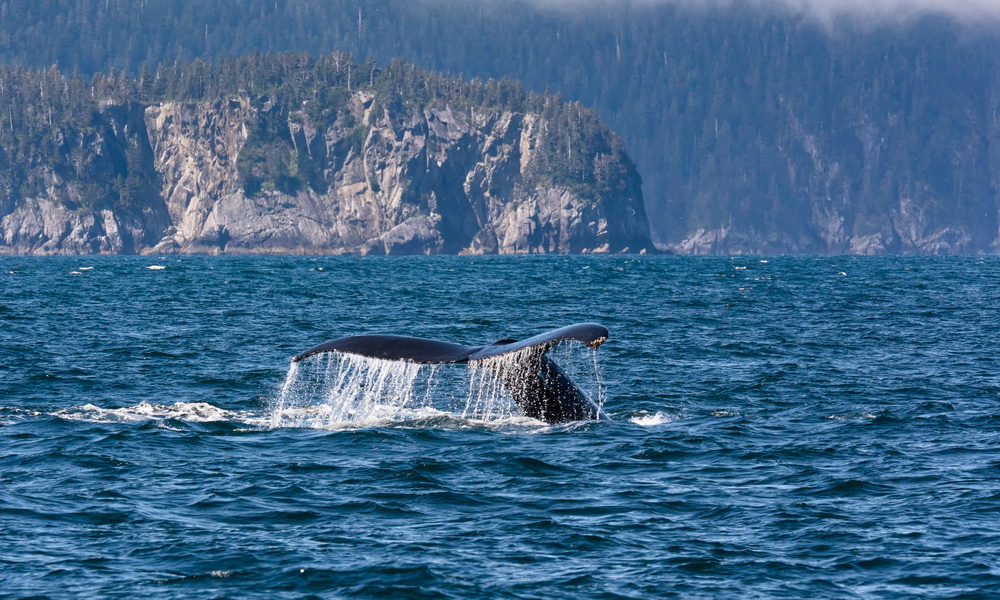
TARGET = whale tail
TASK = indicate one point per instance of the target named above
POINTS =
(541, 389)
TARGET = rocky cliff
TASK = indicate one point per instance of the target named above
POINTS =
(833, 203)
(257, 174)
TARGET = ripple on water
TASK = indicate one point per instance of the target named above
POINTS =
(809, 435)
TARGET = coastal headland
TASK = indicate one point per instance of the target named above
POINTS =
(287, 154)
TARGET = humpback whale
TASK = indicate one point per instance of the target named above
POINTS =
(540, 388)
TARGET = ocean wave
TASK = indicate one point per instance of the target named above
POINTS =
(11, 415)
(853, 417)
(195, 412)
(306, 417)
(650, 420)
(724, 414)
(425, 417)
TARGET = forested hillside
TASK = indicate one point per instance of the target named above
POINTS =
(51, 117)
(755, 129)
(284, 153)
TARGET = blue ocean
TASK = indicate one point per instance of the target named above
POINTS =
(781, 427)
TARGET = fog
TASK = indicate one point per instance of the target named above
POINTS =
(963, 9)
(958, 8)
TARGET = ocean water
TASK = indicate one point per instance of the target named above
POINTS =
(783, 427)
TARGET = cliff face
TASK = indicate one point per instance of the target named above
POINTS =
(830, 201)
(420, 180)
(51, 221)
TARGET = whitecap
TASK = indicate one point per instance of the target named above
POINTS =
(425, 417)
(10, 415)
(724, 413)
(196, 412)
(852, 417)
(648, 420)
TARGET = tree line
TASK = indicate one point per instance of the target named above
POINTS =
(83, 138)
(738, 115)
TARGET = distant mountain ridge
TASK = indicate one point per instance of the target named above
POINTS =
(279, 154)
(755, 128)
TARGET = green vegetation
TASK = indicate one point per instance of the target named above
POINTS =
(737, 114)
(91, 131)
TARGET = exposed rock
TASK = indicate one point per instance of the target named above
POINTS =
(826, 190)
(729, 240)
(867, 245)
(427, 181)
(911, 224)
(44, 227)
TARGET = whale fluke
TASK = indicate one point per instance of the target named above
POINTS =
(539, 387)
(395, 347)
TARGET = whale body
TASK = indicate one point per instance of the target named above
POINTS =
(540, 388)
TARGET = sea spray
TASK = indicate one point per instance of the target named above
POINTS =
(489, 397)
(491, 379)
(340, 388)
(365, 388)
(351, 389)
(290, 379)
(601, 395)
(581, 364)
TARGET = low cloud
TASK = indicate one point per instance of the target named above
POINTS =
(958, 8)
(963, 9)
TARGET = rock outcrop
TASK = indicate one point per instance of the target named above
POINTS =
(423, 181)
(853, 190)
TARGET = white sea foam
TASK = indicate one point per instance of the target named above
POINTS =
(424, 417)
(724, 414)
(852, 417)
(648, 420)
(197, 412)
(10, 415)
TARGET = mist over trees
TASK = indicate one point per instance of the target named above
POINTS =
(762, 129)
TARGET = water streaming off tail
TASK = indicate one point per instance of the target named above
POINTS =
(331, 389)
(344, 388)
(489, 398)
(491, 379)
(580, 362)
